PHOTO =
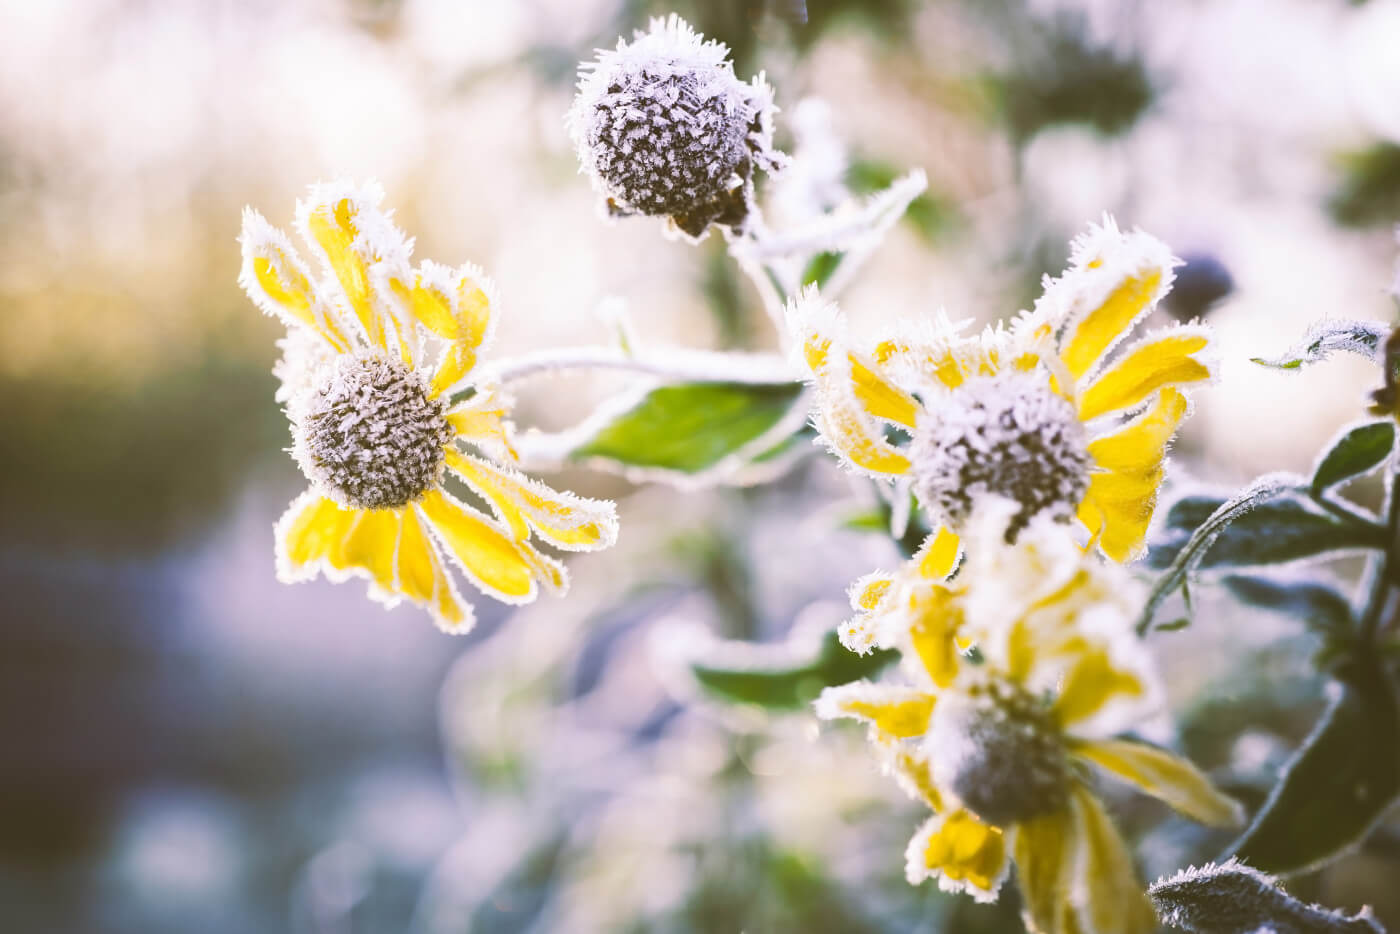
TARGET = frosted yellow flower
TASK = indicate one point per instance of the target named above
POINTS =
(1000, 748)
(1041, 411)
(378, 383)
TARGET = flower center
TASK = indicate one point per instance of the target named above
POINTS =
(370, 436)
(1009, 435)
(998, 751)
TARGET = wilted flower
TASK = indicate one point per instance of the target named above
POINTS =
(377, 382)
(1039, 412)
(999, 747)
(663, 127)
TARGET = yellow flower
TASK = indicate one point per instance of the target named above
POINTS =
(378, 383)
(1042, 411)
(1000, 749)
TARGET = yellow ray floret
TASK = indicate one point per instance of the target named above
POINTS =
(892, 711)
(1163, 775)
(965, 854)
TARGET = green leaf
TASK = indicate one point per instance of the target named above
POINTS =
(1340, 782)
(1359, 451)
(821, 267)
(774, 677)
(691, 428)
(1264, 524)
(1318, 605)
(1330, 336)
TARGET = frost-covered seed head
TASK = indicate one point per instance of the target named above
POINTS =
(1008, 435)
(369, 435)
(1232, 898)
(665, 128)
(998, 751)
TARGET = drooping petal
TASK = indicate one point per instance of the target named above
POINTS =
(1114, 280)
(424, 579)
(893, 711)
(279, 283)
(309, 532)
(344, 226)
(499, 565)
(1169, 358)
(562, 519)
(965, 855)
(1165, 776)
(1044, 850)
(1105, 894)
(846, 422)
(370, 544)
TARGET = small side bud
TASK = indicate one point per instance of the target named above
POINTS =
(1232, 898)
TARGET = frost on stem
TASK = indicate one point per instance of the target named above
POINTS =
(368, 433)
(664, 128)
(1232, 898)
(1008, 435)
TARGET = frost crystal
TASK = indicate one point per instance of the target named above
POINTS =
(1232, 898)
(998, 751)
(664, 128)
(1008, 435)
(369, 434)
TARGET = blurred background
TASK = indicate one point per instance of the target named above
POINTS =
(187, 745)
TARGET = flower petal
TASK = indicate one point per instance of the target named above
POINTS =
(280, 284)
(911, 769)
(893, 711)
(871, 597)
(344, 225)
(1164, 359)
(965, 855)
(311, 529)
(499, 565)
(846, 421)
(455, 306)
(424, 579)
(482, 420)
(1044, 850)
(1165, 776)
(1095, 684)
(1105, 894)
(1114, 279)
(562, 519)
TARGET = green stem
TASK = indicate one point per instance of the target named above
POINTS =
(1386, 574)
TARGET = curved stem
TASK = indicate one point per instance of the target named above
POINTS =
(689, 365)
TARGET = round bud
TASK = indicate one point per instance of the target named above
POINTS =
(997, 750)
(369, 435)
(1008, 435)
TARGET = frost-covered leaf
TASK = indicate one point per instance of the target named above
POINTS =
(1265, 524)
(1330, 336)
(821, 268)
(1339, 784)
(1322, 607)
(1233, 898)
(690, 432)
(782, 677)
(1359, 451)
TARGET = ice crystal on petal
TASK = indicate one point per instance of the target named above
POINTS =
(1232, 898)
(664, 128)
(1008, 435)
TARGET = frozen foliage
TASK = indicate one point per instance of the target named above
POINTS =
(369, 434)
(664, 128)
(996, 748)
(1232, 898)
(1009, 435)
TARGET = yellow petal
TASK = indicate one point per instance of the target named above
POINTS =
(491, 559)
(279, 283)
(894, 711)
(1165, 776)
(1044, 850)
(344, 224)
(882, 398)
(308, 532)
(454, 305)
(1159, 361)
(846, 422)
(424, 579)
(562, 519)
(939, 554)
(1102, 326)
(934, 634)
(967, 854)
(482, 420)
(1140, 444)
(1106, 895)
(370, 545)
(911, 769)
(1092, 683)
